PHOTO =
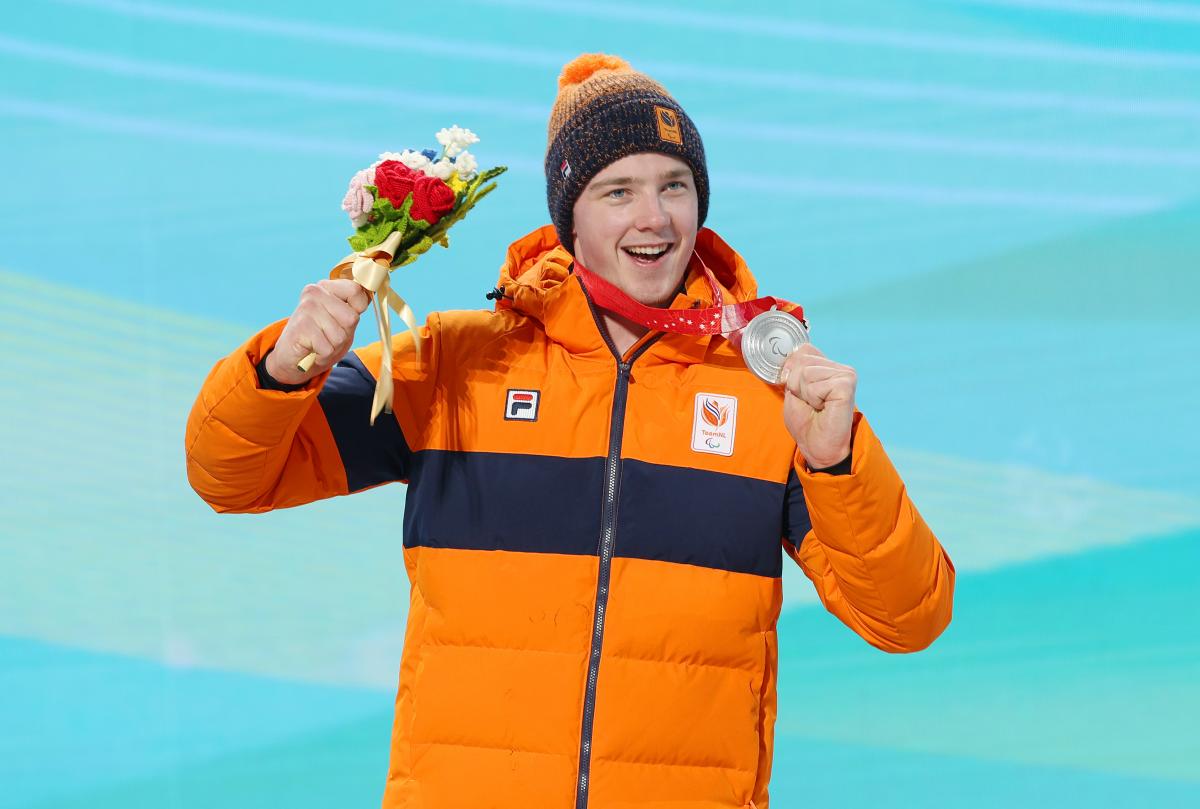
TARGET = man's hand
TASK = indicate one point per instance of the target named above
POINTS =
(818, 405)
(324, 322)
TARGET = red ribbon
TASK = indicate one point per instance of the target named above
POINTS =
(720, 318)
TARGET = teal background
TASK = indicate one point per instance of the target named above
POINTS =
(990, 208)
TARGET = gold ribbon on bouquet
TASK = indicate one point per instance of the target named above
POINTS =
(371, 268)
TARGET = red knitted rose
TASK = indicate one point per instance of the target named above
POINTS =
(432, 198)
(395, 181)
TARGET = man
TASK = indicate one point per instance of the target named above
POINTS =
(595, 508)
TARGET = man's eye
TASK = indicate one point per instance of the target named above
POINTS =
(674, 184)
(616, 191)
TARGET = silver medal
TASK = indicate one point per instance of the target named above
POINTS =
(768, 339)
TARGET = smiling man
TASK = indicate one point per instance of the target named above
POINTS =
(599, 503)
(635, 226)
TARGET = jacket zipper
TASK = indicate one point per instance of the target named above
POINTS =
(612, 485)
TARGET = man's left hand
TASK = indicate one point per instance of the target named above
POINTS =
(818, 405)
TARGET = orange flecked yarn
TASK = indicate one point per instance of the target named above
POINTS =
(588, 78)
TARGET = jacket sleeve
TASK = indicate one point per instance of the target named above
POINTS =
(250, 449)
(875, 563)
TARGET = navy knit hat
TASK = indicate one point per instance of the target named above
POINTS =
(606, 110)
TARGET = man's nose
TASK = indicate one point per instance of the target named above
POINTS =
(651, 214)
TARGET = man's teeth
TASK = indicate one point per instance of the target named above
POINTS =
(648, 251)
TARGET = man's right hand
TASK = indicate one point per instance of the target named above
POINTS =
(324, 322)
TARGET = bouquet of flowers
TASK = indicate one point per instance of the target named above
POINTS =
(400, 206)
(419, 195)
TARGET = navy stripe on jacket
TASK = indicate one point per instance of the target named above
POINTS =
(370, 454)
(796, 520)
(550, 504)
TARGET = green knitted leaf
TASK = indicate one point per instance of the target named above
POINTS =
(383, 207)
(420, 247)
(484, 176)
(388, 219)
(483, 192)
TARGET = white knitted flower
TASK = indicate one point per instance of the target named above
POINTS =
(466, 166)
(455, 139)
(415, 160)
(441, 169)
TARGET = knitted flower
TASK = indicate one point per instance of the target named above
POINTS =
(455, 139)
(466, 166)
(395, 181)
(432, 199)
(358, 200)
(441, 169)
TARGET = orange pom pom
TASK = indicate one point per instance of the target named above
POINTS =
(579, 69)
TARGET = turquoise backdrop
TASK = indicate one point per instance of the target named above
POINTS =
(990, 208)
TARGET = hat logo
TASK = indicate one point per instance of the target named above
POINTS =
(565, 169)
(668, 125)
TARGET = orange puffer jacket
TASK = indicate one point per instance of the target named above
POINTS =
(594, 545)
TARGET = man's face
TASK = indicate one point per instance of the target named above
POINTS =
(640, 204)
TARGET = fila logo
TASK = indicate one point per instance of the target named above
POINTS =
(714, 424)
(668, 125)
(565, 168)
(522, 405)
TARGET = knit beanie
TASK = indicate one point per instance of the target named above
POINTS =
(606, 110)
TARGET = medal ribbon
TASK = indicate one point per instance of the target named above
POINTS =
(371, 268)
(720, 318)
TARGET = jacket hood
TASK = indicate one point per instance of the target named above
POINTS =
(537, 281)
